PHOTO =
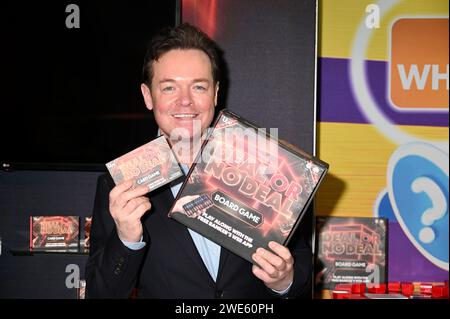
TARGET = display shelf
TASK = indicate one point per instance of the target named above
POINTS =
(28, 252)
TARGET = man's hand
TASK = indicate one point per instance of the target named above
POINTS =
(127, 207)
(275, 269)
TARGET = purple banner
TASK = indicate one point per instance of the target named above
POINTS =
(337, 103)
(406, 263)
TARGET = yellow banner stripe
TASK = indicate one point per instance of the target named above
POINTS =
(340, 19)
(358, 155)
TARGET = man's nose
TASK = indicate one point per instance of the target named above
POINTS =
(185, 97)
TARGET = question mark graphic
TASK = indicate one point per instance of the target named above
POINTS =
(435, 212)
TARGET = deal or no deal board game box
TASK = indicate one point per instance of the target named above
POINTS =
(246, 188)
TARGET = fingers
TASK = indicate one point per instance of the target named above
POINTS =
(273, 268)
(262, 275)
(282, 251)
(120, 188)
(126, 206)
(267, 266)
(123, 201)
(141, 209)
(269, 262)
(132, 204)
(121, 195)
(125, 213)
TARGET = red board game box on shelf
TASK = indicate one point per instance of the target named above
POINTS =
(246, 188)
(54, 232)
(87, 231)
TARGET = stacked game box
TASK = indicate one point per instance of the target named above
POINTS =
(54, 232)
(246, 188)
(152, 164)
(81, 290)
(87, 232)
(350, 250)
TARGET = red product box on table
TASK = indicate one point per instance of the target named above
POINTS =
(54, 232)
(350, 250)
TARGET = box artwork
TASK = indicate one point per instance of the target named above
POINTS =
(54, 232)
(87, 231)
(152, 164)
(81, 290)
(350, 250)
(246, 188)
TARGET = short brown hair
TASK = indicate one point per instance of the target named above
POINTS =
(183, 37)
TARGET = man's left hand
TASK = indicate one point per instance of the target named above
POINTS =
(275, 269)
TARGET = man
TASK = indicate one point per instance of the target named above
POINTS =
(133, 242)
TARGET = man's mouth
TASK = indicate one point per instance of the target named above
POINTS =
(185, 116)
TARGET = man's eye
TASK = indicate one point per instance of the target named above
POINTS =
(199, 88)
(168, 89)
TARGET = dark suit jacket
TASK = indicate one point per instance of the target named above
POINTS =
(170, 266)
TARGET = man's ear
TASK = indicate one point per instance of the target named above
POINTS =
(216, 94)
(147, 95)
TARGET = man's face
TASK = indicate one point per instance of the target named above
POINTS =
(182, 91)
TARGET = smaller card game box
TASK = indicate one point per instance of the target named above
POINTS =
(152, 164)
(54, 232)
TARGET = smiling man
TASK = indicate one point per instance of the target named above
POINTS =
(181, 96)
(181, 93)
(135, 245)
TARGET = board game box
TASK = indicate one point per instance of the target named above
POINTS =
(87, 231)
(350, 250)
(152, 164)
(81, 289)
(246, 188)
(54, 232)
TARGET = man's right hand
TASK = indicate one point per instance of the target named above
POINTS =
(127, 207)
